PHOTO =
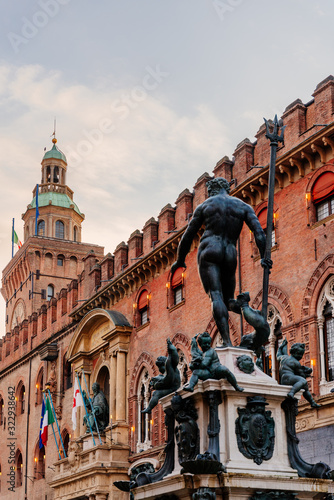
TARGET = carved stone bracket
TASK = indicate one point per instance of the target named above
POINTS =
(214, 400)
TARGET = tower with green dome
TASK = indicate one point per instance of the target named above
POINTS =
(59, 217)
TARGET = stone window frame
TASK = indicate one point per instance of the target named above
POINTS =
(19, 468)
(144, 422)
(326, 296)
(20, 398)
(39, 386)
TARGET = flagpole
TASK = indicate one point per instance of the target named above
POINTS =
(91, 405)
(37, 211)
(13, 238)
(83, 400)
(54, 434)
(55, 416)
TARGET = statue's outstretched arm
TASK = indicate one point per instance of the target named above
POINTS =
(172, 353)
(184, 246)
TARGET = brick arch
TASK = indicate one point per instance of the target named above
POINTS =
(264, 204)
(279, 298)
(315, 285)
(145, 359)
(329, 167)
(181, 339)
(213, 331)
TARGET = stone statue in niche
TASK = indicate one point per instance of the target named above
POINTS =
(245, 363)
(187, 431)
(292, 372)
(100, 410)
(205, 363)
(223, 217)
(168, 380)
(255, 430)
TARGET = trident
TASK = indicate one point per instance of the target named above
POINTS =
(274, 138)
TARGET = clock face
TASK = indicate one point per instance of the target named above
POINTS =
(18, 314)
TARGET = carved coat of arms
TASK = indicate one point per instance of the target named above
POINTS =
(255, 430)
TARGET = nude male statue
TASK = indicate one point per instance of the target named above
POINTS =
(223, 217)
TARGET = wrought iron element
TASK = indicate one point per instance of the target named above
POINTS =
(275, 137)
(274, 495)
(214, 399)
(255, 430)
(304, 469)
(204, 494)
(245, 363)
(187, 432)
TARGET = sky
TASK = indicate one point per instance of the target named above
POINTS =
(147, 95)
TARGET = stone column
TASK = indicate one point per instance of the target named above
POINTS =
(121, 386)
(322, 350)
(112, 397)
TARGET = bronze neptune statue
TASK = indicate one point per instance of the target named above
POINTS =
(223, 217)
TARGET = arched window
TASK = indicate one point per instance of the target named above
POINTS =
(56, 174)
(142, 306)
(20, 399)
(323, 195)
(60, 229)
(41, 228)
(75, 233)
(67, 370)
(329, 340)
(325, 312)
(73, 264)
(262, 216)
(144, 419)
(39, 387)
(103, 379)
(183, 367)
(51, 292)
(60, 260)
(48, 174)
(2, 410)
(39, 459)
(19, 468)
(177, 286)
(48, 262)
(66, 440)
(270, 363)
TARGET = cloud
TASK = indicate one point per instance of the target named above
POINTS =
(127, 174)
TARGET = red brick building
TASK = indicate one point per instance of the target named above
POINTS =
(112, 318)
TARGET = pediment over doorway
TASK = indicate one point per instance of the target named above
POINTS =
(98, 329)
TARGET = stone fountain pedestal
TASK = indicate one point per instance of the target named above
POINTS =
(246, 473)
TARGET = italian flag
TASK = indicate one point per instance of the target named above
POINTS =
(16, 239)
(47, 418)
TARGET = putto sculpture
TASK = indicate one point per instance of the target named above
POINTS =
(292, 372)
(205, 364)
(100, 410)
(168, 380)
(223, 217)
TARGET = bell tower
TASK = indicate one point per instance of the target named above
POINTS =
(52, 253)
(58, 215)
